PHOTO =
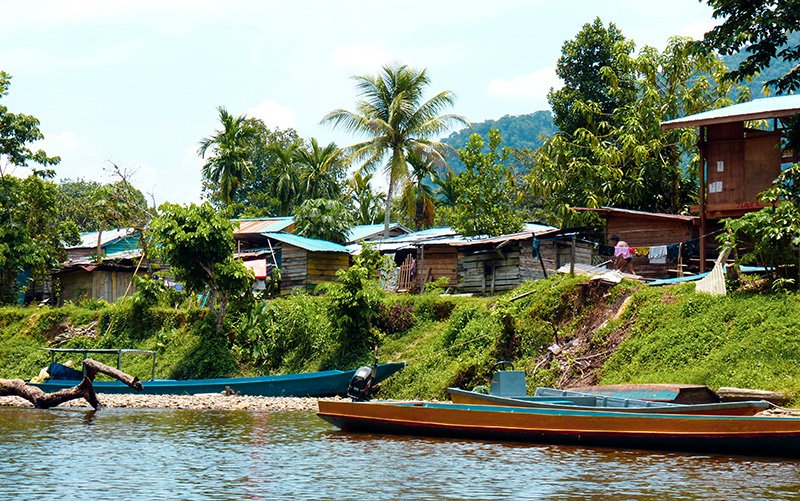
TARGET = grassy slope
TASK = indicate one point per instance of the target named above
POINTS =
(658, 335)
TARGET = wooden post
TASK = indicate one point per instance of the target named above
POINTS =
(421, 269)
(701, 145)
(572, 256)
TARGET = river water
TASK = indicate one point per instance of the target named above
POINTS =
(179, 454)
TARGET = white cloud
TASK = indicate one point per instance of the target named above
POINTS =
(530, 86)
(698, 29)
(360, 56)
(274, 114)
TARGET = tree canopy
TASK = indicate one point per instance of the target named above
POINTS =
(397, 122)
(486, 190)
(630, 161)
(762, 29)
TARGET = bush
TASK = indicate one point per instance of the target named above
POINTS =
(395, 318)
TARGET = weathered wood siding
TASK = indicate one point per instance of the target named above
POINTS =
(98, 284)
(301, 269)
(437, 262)
(322, 266)
(294, 267)
(648, 232)
(484, 271)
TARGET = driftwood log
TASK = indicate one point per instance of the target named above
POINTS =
(43, 400)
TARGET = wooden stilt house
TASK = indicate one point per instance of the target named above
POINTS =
(739, 158)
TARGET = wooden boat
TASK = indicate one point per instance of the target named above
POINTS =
(675, 393)
(548, 398)
(769, 436)
(312, 384)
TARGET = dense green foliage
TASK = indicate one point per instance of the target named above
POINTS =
(325, 219)
(197, 244)
(669, 335)
(774, 231)
(398, 123)
(518, 132)
(761, 29)
(485, 190)
(624, 158)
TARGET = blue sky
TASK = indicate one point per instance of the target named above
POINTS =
(137, 83)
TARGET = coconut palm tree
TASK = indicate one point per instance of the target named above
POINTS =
(232, 148)
(418, 199)
(285, 176)
(396, 120)
(365, 203)
(321, 170)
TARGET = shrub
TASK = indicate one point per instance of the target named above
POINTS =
(395, 318)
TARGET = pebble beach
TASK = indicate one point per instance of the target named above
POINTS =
(197, 402)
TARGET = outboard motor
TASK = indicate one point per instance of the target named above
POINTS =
(360, 387)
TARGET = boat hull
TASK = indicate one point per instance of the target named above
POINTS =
(313, 384)
(717, 434)
(748, 408)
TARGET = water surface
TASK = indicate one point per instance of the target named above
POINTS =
(181, 454)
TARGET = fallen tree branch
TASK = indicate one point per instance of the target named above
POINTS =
(43, 400)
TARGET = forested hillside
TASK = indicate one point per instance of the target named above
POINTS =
(517, 131)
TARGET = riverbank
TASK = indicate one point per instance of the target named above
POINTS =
(193, 402)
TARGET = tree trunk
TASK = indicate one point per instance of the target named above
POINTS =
(43, 400)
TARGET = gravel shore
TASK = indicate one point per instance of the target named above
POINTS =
(199, 402)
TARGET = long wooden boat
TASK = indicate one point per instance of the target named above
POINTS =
(581, 401)
(674, 393)
(768, 436)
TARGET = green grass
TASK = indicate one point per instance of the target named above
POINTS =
(669, 335)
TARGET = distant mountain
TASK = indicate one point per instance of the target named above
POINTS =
(777, 67)
(521, 131)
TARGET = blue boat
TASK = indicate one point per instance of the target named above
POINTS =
(311, 384)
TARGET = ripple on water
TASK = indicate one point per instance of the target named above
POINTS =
(182, 454)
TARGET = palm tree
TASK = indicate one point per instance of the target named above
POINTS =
(418, 198)
(321, 170)
(366, 202)
(285, 176)
(396, 120)
(232, 149)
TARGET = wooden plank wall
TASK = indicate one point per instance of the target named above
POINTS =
(438, 262)
(515, 264)
(639, 232)
(322, 266)
(294, 267)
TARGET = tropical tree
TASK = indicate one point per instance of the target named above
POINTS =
(630, 161)
(231, 153)
(324, 219)
(418, 199)
(285, 177)
(363, 201)
(321, 170)
(197, 244)
(486, 190)
(17, 131)
(397, 122)
(596, 71)
(761, 28)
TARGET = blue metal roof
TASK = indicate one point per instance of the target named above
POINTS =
(309, 244)
(89, 238)
(768, 107)
(362, 231)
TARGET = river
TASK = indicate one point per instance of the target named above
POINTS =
(124, 454)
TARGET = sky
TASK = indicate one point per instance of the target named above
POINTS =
(138, 83)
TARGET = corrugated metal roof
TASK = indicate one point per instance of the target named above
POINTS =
(309, 244)
(89, 238)
(449, 236)
(363, 231)
(768, 107)
(261, 225)
(605, 211)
